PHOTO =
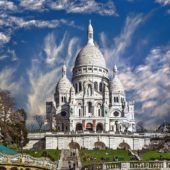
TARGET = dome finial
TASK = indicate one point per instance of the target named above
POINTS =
(115, 69)
(64, 69)
(90, 33)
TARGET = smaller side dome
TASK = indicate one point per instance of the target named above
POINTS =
(64, 85)
(116, 85)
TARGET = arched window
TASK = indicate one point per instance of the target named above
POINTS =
(116, 100)
(64, 99)
(79, 112)
(80, 86)
(99, 110)
(89, 107)
(76, 88)
(101, 87)
(96, 86)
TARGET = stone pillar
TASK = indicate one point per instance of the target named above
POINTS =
(125, 166)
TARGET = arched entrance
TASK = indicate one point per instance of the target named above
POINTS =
(99, 145)
(79, 127)
(124, 145)
(74, 145)
(89, 126)
(99, 127)
(2, 168)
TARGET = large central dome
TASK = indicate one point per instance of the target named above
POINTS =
(90, 54)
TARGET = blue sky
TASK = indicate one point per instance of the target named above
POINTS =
(37, 36)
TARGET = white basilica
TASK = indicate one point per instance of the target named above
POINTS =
(90, 101)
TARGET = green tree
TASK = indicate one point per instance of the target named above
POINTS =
(12, 120)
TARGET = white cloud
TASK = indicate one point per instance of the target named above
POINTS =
(42, 85)
(43, 81)
(73, 48)
(8, 54)
(150, 84)
(7, 5)
(74, 6)
(163, 2)
(7, 82)
(114, 53)
(52, 50)
(33, 4)
(4, 38)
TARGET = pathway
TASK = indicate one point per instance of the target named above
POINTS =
(69, 160)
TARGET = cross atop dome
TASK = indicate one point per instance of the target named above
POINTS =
(115, 70)
(90, 33)
(64, 69)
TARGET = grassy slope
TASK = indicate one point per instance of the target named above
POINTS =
(98, 154)
(53, 154)
(154, 154)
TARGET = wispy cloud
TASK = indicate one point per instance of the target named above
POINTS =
(7, 5)
(7, 82)
(52, 50)
(33, 4)
(43, 81)
(149, 85)
(9, 24)
(42, 85)
(82, 6)
(4, 38)
(8, 54)
(163, 2)
(85, 6)
(115, 52)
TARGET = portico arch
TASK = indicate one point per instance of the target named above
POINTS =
(99, 145)
(74, 145)
(89, 126)
(99, 127)
(79, 127)
(124, 145)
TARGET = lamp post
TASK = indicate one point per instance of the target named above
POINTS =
(22, 142)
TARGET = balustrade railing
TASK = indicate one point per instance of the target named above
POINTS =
(132, 165)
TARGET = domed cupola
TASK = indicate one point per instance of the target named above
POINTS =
(63, 85)
(90, 54)
(89, 59)
(116, 85)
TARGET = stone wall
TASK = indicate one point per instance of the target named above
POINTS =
(62, 141)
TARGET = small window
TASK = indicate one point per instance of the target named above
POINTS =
(96, 86)
(116, 100)
(79, 112)
(95, 69)
(80, 86)
(116, 113)
(100, 70)
(64, 99)
(89, 68)
(101, 87)
(84, 69)
(63, 113)
(76, 88)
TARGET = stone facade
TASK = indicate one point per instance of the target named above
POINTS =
(91, 101)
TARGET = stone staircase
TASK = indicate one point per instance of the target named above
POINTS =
(69, 160)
